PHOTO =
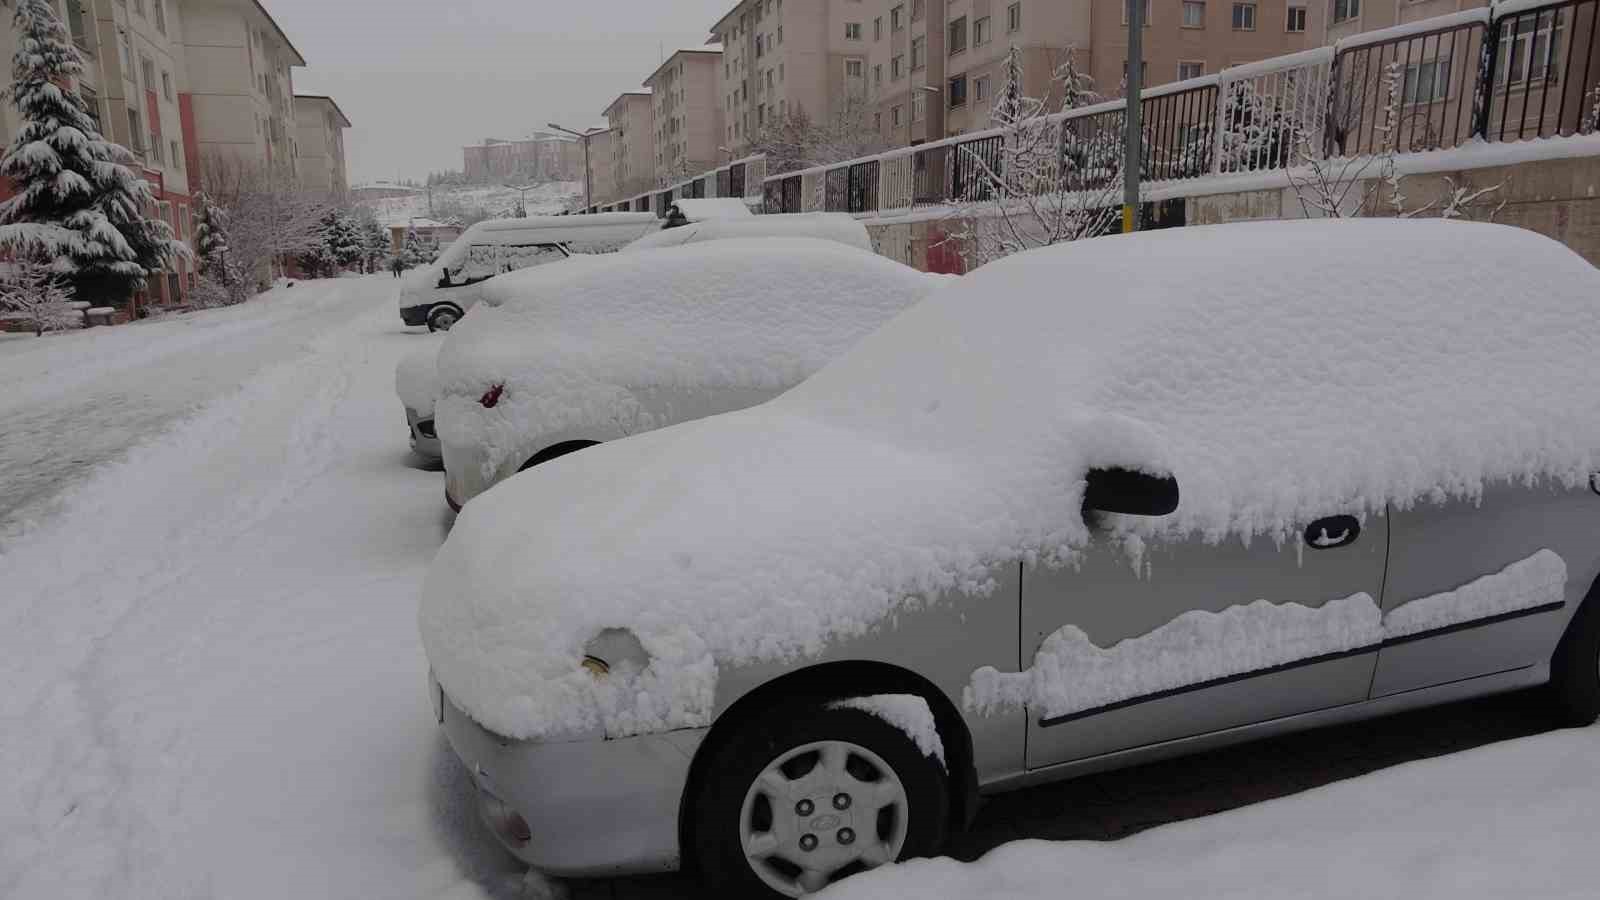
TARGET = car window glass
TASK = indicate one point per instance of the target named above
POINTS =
(522, 256)
(481, 262)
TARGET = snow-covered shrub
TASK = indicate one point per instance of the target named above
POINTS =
(34, 295)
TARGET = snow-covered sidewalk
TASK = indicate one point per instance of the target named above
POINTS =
(213, 681)
(1517, 819)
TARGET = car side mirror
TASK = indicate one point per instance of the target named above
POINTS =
(444, 280)
(1131, 493)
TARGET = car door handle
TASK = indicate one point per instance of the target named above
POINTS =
(1333, 531)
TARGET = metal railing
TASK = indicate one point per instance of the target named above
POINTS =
(1517, 70)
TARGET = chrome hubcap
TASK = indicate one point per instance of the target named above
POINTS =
(819, 812)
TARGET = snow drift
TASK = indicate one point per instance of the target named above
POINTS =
(1277, 370)
(416, 379)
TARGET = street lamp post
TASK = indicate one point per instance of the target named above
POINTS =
(588, 173)
(522, 198)
(1132, 157)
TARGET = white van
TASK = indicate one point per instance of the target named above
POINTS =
(438, 295)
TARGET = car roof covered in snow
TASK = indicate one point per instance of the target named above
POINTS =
(1280, 371)
(837, 227)
(619, 227)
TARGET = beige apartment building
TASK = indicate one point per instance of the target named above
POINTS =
(632, 143)
(686, 113)
(602, 166)
(1348, 17)
(240, 65)
(320, 125)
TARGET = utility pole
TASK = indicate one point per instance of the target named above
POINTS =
(1132, 157)
(588, 173)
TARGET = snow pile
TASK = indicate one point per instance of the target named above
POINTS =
(416, 378)
(712, 209)
(1514, 819)
(1070, 674)
(1279, 370)
(579, 343)
(1539, 580)
(907, 712)
(837, 227)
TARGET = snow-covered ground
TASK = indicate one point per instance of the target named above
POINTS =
(213, 681)
(546, 199)
(1516, 819)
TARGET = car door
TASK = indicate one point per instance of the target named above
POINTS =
(1484, 587)
(1153, 642)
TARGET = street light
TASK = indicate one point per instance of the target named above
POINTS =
(588, 176)
(522, 198)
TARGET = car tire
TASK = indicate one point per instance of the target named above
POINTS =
(1574, 689)
(443, 318)
(834, 790)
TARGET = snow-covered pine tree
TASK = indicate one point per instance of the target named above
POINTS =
(210, 232)
(343, 239)
(39, 298)
(375, 239)
(77, 204)
(415, 251)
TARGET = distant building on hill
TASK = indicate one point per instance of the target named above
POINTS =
(542, 157)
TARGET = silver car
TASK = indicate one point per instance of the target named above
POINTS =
(1093, 506)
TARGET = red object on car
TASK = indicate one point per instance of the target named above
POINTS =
(491, 396)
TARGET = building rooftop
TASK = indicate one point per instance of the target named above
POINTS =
(710, 50)
(328, 100)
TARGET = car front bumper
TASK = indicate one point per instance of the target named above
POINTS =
(592, 807)
(416, 315)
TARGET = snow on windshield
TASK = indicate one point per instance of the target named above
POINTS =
(1278, 371)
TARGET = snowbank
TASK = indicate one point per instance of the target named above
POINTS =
(576, 343)
(1279, 370)
(416, 378)
(1516, 819)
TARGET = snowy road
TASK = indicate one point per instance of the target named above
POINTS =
(214, 684)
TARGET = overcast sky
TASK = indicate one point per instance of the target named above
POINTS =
(420, 80)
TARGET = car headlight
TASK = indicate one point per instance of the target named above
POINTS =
(613, 648)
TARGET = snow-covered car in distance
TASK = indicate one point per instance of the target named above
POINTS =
(838, 227)
(416, 382)
(1093, 505)
(689, 211)
(438, 295)
(563, 357)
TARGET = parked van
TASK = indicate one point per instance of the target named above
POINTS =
(438, 295)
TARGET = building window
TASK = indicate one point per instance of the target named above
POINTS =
(852, 31)
(135, 132)
(780, 35)
(853, 68)
(1297, 20)
(877, 28)
(1127, 8)
(1534, 55)
(958, 35)
(895, 67)
(877, 75)
(1014, 16)
(958, 91)
(769, 79)
(1244, 17)
(166, 86)
(894, 116)
(1187, 70)
(91, 105)
(1345, 10)
(780, 73)
(980, 31)
(895, 23)
(160, 7)
(918, 9)
(75, 23)
(919, 106)
(1426, 82)
(1194, 14)
(877, 121)
(919, 46)
(1144, 72)
(980, 88)
(148, 70)
(127, 52)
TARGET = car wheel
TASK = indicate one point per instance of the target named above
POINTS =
(443, 318)
(804, 796)
(1574, 688)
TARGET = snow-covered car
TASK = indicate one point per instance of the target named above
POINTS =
(564, 357)
(1093, 505)
(689, 211)
(416, 382)
(838, 227)
(438, 295)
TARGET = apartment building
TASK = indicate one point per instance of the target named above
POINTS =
(687, 113)
(176, 80)
(543, 157)
(320, 125)
(602, 167)
(1347, 17)
(808, 55)
(240, 72)
(632, 144)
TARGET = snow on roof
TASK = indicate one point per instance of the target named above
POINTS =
(1279, 370)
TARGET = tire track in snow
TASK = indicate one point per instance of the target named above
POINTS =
(144, 524)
